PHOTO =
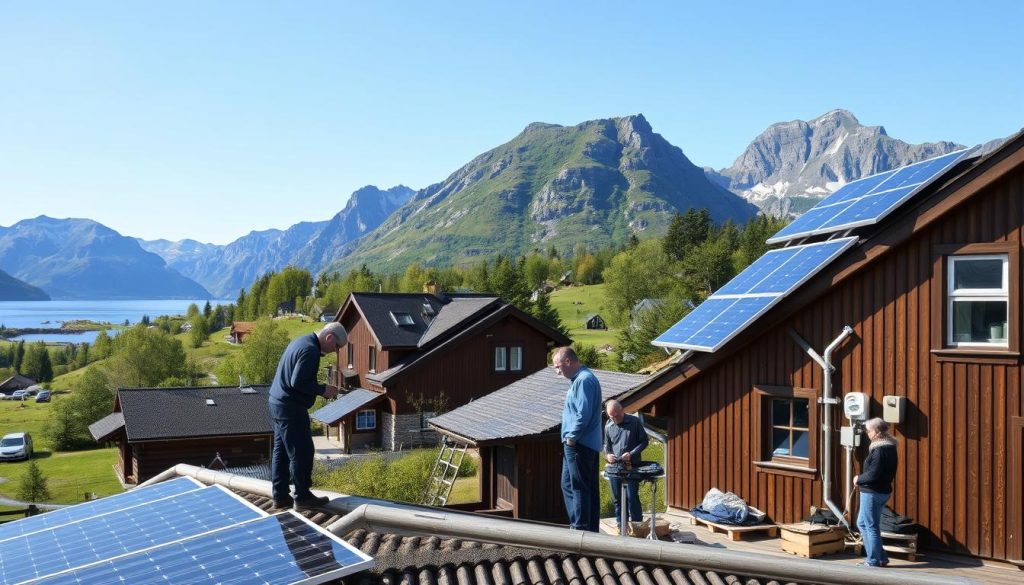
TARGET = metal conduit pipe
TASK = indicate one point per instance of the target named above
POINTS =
(385, 516)
(826, 476)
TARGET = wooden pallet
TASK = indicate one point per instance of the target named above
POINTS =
(893, 542)
(735, 532)
(811, 540)
(813, 550)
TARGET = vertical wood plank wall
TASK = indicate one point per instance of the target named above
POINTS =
(955, 445)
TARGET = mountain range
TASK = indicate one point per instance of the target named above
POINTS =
(594, 183)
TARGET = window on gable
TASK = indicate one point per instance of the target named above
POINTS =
(977, 300)
(508, 358)
(366, 419)
(351, 354)
(373, 358)
(787, 437)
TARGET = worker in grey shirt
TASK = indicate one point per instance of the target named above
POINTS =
(624, 440)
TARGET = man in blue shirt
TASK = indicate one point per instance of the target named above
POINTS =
(292, 393)
(624, 440)
(581, 441)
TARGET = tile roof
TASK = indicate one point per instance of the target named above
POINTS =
(170, 413)
(530, 406)
(107, 425)
(345, 404)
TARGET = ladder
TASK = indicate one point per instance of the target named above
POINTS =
(446, 469)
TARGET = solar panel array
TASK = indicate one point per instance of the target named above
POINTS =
(868, 200)
(747, 296)
(172, 532)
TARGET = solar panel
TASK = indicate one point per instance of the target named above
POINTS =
(279, 549)
(752, 292)
(101, 506)
(120, 532)
(866, 201)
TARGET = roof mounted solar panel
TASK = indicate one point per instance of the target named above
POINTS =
(281, 549)
(747, 296)
(867, 201)
(102, 537)
(96, 507)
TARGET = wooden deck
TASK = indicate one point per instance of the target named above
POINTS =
(980, 570)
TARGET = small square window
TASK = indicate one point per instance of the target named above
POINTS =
(402, 319)
(366, 419)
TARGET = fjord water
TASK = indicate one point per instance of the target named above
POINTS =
(50, 314)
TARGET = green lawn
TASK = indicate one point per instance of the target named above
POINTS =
(574, 303)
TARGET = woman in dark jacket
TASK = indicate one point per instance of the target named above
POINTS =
(875, 484)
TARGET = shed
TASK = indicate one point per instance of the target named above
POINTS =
(352, 419)
(595, 321)
(15, 382)
(155, 428)
(240, 330)
(516, 430)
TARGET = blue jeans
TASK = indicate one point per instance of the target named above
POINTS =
(292, 456)
(580, 488)
(868, 521)
(633, 500)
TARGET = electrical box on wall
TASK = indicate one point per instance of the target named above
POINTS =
(893, 409)
(855, 406)
(849, 437)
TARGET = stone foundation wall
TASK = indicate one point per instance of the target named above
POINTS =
(404, 431)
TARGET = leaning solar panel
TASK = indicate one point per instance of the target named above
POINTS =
(124, 531)
(279, 549)
(101, 506)
(867, 201)
(752, 292)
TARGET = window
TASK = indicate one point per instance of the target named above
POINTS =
(351, 354)
(787, 434)
(402, 319)
(508, 358)
(366, 419)
(977, 300)
(373, 359)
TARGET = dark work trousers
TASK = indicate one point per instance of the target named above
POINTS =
(292, 456)
(580, 488)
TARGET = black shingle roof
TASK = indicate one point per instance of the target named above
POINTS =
(172, 413)
(530, 406)
(449, 313)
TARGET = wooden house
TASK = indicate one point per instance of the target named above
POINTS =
(516, 430)
(426, 354)
(595, 321)
(15, 382)
(156, 428)
(240, 330)
(933, 295)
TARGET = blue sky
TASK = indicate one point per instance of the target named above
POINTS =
(207, 120)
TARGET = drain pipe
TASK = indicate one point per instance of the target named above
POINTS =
(826, 427)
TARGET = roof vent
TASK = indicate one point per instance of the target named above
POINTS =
(428, 309)
(210, 402)
(248, 390)
(402, 319)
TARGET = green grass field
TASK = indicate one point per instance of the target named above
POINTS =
(574, 303)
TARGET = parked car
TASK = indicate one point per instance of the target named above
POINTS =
(19, 395)
(16, 446)
(43, 396)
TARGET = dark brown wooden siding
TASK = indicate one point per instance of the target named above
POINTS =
(361, 338)
(151, 458)
(465, 370)
(539, 465)
(956, 443)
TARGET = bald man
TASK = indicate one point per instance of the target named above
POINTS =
(624, 440)
(292, 393)
(581, 441)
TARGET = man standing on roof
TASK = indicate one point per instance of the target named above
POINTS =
(292, 393)
(624, 440)
(581, 440)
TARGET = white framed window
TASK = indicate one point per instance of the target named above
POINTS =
(515, 358)
(351, 354)
(366, 419)
(977, 300)
(373, 359)
(500, 360)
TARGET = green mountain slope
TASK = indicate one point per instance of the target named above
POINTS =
(12, 289)
(595, 183)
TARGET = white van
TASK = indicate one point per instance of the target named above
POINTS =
(16, 446)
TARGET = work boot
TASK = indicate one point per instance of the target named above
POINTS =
(310, 502)
(283, 503)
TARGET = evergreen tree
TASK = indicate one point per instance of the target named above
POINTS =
(588, 355)
(507, 282)
(207, 309)
(145, 320)
(33, 486)
(62, 428)
(674, 243)
(19, 356)
(545, 313)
